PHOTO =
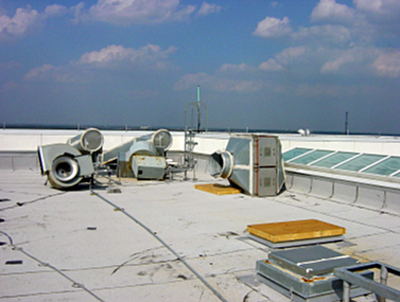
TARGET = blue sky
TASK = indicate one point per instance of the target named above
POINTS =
(260, 64)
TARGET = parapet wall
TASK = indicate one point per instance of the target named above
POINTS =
(17, 145)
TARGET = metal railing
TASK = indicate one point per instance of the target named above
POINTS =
(349, 277)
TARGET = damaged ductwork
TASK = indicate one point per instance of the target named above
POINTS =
(142, 157)
(66, 165)
(251, 162)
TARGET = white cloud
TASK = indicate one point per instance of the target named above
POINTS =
(329, 10)
(271, 65)
(336, 64)
(207, 8)
(388, 64)
(327, 34)
(273, 27)
(20, 23)
(48, 72)
(235, 67)
(112, 57)
(55, 10)
(381, 7)
(138, 11)
(151, 55)
(384, 15)
(26, 19)
(284, 58)
(362, 62)
(214, 83)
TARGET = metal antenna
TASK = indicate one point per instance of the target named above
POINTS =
(198, 109)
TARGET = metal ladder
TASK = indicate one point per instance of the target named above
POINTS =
(188, 156)
(190, 133)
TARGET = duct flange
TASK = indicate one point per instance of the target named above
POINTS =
(161, 139)
(90, 141)
(221, 164)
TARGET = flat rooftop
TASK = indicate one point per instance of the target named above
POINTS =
(129, 240)
(79, 246)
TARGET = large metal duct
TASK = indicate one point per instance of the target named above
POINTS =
(64, 165)
(90, 141)
(160, 140)
(251, 162)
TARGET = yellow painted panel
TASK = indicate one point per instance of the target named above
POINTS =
(295, 230)
(218, 189)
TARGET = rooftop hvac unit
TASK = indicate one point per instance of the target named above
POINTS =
(148, 167)
(251, 162)
(64, 165)
(68, 164)
(90, 141)
(129, 167)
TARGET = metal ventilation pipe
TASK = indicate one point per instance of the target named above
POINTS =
(90, 141)
(221, 164)
(162, 140)
(250, 162)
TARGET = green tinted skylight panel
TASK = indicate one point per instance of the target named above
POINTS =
(288, 155)
(308, 158)
(334, 159)
(360, 162)
(386, 167)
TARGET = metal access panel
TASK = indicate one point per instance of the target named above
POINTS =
(267, 151)
(306, 274)
(311, 261)
(148, 167)
(266, 182)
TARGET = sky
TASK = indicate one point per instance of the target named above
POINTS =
(281, 65)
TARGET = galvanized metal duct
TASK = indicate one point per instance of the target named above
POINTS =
(251, 162)
(161, 141)
(221, 164)
(90, 141)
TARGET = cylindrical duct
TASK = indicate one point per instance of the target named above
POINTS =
(90, 141)
(221, 164)
(162, 139)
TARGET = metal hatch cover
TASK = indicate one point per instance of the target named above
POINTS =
(311, 261)
(306, 274)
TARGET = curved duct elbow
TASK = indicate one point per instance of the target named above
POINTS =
(90, 141)
(142, 148)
